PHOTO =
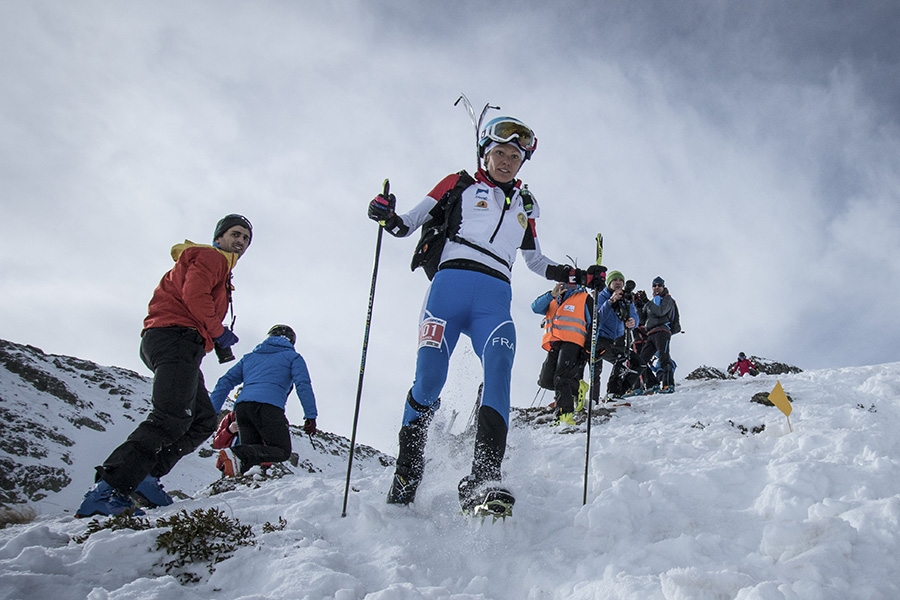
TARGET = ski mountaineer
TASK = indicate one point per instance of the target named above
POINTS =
(471, 294)
(183, 323)
(567, 310)
(268, 374)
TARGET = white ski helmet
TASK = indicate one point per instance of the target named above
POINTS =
(505, 130)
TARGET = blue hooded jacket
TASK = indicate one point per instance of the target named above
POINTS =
(268, 373)
(609, 325)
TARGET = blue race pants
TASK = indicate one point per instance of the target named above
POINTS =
(477, 305)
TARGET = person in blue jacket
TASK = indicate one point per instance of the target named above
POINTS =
(610, 326)
(268, 374)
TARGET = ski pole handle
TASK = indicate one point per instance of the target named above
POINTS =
(386, 194)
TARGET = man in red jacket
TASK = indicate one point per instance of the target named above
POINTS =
(184, 322)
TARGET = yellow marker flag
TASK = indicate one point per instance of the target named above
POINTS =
(779, 399)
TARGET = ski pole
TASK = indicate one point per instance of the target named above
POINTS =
(471, 420)
(594, 384)
(539, 390)
(365, 347)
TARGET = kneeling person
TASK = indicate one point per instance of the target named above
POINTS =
(268, 373)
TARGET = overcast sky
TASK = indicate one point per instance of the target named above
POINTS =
(748, 153)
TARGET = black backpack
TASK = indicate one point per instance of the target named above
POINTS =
(444, 223)
(439, 227)
(675, 323)
(625, 374)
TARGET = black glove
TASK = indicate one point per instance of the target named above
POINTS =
(381, 208)
(309, 427)
(595, 277)
(562, 273)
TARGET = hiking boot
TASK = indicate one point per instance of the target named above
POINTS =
(564, 419)
(667, 389)
(150, 493)
(583, 388)
(633, 393)
(228, 463)
(103, 499)
(403, 489)
(651, 390)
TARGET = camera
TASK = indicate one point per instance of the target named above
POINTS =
(223, 354)
(628, 292)
(623, 306)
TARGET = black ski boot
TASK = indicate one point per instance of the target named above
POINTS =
(481, 499)
(410, 458)
(481, 493)
(403, 489)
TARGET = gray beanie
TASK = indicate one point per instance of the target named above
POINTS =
(229, 221)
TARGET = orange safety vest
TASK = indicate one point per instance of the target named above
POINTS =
(565, 322)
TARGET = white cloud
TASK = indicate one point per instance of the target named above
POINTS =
(757, 189)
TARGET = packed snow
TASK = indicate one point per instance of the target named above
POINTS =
(701, 494)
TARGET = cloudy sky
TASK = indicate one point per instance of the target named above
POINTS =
(746, 152)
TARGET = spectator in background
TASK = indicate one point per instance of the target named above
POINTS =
(268, 374)
(567, 310)
(183, 323)
(742, 366)
(659, 313)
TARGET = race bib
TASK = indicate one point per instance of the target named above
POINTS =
(431, 332)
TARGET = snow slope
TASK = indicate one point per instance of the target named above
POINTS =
(685, 501)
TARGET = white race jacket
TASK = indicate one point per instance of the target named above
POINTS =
(488, 225)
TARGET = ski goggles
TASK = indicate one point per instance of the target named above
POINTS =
(505, 132)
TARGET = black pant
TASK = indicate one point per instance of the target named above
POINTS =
(609, 350)
(561, 372)
(265, 436)
(182, 416)
(658, 342)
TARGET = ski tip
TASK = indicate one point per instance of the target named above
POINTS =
(386, 186)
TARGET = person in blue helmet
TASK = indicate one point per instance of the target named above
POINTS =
(470, 294)
(268, 374)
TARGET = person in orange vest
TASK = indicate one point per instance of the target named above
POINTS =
(567, 310)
